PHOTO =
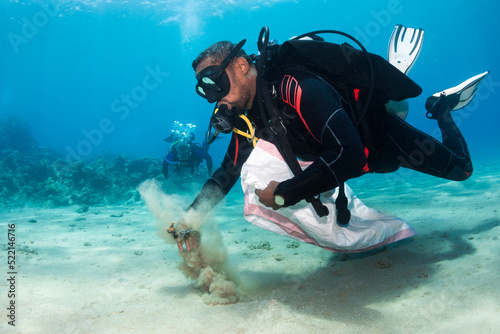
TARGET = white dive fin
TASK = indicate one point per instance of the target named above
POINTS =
(466, 90)
(404, 47)
(456, 97)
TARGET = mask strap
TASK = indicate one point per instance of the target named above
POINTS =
(232, 54)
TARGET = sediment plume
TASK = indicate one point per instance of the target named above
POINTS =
(206, 265)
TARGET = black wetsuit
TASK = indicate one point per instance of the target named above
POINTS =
(320, 130)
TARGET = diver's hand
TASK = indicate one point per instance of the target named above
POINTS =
(187, 236)
(266, 195)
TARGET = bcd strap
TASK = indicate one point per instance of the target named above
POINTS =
(287, 153)
(343, 213)
(284, 147)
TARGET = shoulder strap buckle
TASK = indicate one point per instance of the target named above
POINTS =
(274, 125)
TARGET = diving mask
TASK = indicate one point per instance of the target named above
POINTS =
(183, 152)
(213, 81)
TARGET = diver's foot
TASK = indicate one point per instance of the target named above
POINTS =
(453, 98)
(438, 105)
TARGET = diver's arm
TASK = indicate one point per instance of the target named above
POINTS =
(224, 178)
(343, 155)
(204, 155)
(208, 158)
(210, 195)
(164, 169)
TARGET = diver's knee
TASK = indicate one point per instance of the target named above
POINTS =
(460, 173)
(468, 170)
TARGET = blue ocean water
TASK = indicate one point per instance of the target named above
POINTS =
(93, 76)
(97, 76)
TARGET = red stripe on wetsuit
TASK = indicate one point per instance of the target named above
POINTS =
(291, 94)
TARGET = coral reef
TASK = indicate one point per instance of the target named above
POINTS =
(33, 174)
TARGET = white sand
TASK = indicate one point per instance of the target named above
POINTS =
(115, 275)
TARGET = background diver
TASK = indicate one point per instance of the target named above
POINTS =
(315, 115)
(183, 153)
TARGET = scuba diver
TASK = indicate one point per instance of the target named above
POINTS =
(346, 124)
(183, 153)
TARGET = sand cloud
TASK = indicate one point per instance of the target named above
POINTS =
(207, 265)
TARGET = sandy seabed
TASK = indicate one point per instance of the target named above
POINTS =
(108, 271)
